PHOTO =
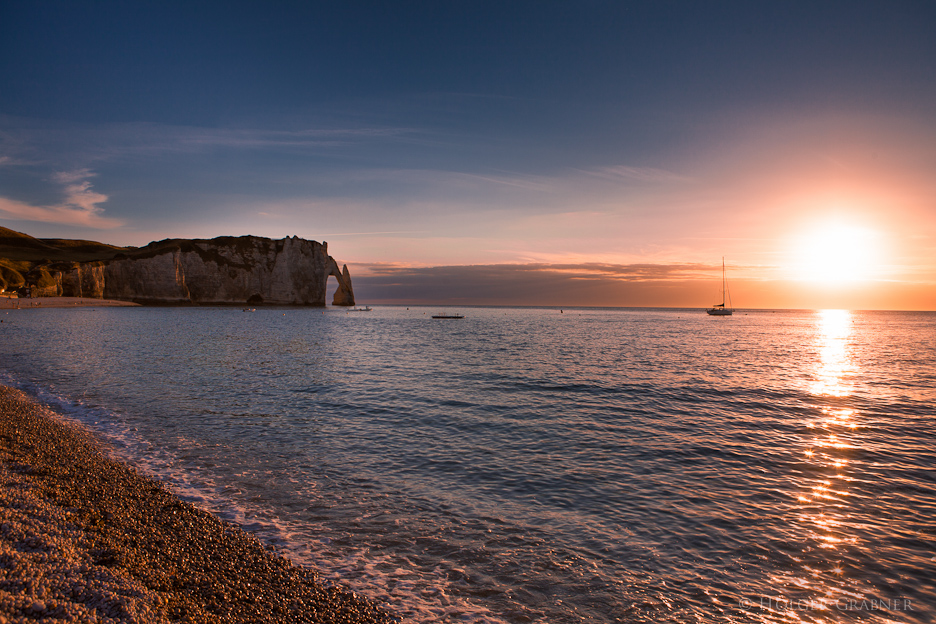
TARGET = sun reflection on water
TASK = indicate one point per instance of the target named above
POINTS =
(836, 368)
(823, 498)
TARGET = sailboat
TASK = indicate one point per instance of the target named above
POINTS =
(720, 309)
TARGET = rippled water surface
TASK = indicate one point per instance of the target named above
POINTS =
(532, 465)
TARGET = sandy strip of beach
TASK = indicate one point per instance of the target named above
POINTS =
(12, 303)
(84, 538)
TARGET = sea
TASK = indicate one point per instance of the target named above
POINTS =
(524, 465)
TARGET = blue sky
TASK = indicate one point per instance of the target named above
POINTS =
(519, 135)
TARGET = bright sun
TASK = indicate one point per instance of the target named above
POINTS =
(836, 253)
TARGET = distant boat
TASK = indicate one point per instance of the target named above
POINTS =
(364, 309)
(448, 316)
(720, 309)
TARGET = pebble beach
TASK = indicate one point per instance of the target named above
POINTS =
(85, 538)
(13, 303)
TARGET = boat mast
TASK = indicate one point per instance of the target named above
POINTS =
(726, 296)
(724, 284)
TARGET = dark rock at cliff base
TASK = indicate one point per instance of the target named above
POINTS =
(224, 270)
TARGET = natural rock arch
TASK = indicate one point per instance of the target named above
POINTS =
(344, 296)
(223, 270)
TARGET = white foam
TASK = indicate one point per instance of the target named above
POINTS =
(410, 593)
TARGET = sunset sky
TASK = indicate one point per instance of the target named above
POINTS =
(539, 153)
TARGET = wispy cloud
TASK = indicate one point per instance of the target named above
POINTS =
(25, 140)
(183, 138)
(9, 161)
(535, 284)
(388, 232)
(628, 272)
(80, 205)
(620, 173)
(70, 177)
(445, 178)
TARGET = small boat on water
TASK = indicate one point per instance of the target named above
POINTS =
(720, 309)
(364, 309)
(448, 316)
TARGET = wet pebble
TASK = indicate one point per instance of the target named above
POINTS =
(88, 539)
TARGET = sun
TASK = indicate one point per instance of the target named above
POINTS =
(836, 254)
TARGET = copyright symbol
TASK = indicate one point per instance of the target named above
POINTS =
(744, 603)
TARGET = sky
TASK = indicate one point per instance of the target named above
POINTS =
(502, 152)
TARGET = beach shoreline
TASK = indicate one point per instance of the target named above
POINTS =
(13, 303)
(86, 538)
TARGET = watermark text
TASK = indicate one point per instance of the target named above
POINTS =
(812, 604)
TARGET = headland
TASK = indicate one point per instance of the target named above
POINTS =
(227, 270)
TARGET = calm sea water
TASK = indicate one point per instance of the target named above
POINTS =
(527, 465)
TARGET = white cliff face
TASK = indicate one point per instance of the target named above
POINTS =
(248, 269)
(85, 279)
(156, 279)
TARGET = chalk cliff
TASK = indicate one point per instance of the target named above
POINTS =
(247, 269)
(242, 270)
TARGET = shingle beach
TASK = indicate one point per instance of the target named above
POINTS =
(84, 538)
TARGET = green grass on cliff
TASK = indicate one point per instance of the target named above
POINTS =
(18, 247)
